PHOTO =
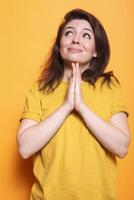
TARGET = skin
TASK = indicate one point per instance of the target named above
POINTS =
(77, 35)
(74, 96)
(76, 48)
(114, 135)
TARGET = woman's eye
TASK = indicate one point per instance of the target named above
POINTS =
(68, 33)
(86, 35)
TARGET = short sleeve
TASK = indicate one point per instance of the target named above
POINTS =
(117, 100)
(32, 105)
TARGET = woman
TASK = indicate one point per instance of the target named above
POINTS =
(74, 120)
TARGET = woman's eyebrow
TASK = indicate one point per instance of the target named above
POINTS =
(87, 29)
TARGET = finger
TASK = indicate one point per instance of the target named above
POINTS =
(77, 79)
(74, 72)
(77, 70)
(78, 75)
(72, 80)
(74, 67)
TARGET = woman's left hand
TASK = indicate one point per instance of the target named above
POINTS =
(78, 98)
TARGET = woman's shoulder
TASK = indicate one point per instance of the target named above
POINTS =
(34, 87)
(109, 82)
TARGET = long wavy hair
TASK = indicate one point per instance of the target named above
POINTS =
(53, 68)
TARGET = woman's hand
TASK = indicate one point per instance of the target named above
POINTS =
(74, 95)
(78, 99)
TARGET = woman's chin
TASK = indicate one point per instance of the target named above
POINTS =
(74, 61)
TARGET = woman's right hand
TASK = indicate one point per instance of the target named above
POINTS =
(70, 94)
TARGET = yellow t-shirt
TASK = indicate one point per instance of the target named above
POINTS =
(74, 165)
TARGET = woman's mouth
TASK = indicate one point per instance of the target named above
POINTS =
(74, 50)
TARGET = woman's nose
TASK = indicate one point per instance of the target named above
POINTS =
(75, 42)
(75, 39)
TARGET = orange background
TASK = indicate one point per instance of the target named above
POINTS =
(27, 31)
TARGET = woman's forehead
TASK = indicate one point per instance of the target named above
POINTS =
(79, 22)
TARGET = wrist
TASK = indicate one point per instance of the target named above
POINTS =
(80, 108)
(67, 107)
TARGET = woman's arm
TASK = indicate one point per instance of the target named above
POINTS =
(32, 136)
(114, 136)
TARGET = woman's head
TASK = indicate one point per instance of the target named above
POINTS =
(77, 17)
(80, 38)
(77, 43)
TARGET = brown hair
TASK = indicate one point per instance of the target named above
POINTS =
(53, 69)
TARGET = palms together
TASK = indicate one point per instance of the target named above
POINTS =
(74, 96)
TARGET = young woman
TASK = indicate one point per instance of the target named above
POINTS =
(74, 120)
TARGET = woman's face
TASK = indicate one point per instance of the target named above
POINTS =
(77, 42)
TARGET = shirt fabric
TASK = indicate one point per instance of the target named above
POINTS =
(73, 165)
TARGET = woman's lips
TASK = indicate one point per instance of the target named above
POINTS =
(73, 50)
